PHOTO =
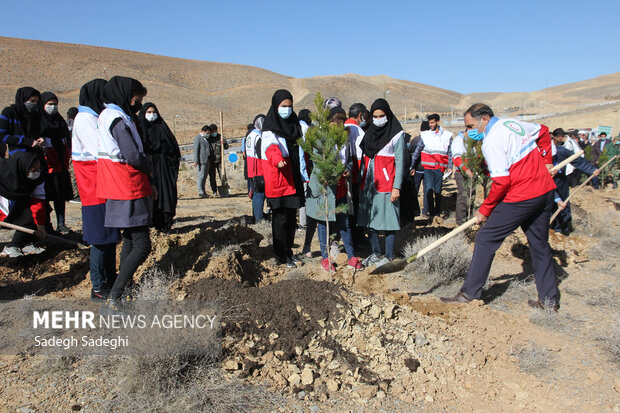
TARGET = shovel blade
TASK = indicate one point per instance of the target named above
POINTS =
(390, 267)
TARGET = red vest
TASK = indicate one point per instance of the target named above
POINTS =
(116, 179)
(385, 166)
(278, 181)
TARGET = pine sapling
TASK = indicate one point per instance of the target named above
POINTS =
(324, 142)
(474, 161)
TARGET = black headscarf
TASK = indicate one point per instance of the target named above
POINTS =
(288, 128)
(161, 147)
(376, 138)
(28, 120)
(304, 115)
(72, 112)
(336, 110)
(91, 95)
(119, 90)
(54, 126)
(157, 136)
(14, 184)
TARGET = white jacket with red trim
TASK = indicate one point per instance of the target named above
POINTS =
(84, 141)
(253, 158)
(356, 134)
(278, 181)
(385, 166)
(116, 179)
(516, 162)
(435, 152)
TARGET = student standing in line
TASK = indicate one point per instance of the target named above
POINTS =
(123, 171)
(54, 130)
(253, 144)
(20, 123)
(102, 239)
(281, 170)
(162, 149)
(336, 195)
(382, 174)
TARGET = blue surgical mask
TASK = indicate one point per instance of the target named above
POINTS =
(363, 123)
(474, 134)
(285, 112)
(214, 134)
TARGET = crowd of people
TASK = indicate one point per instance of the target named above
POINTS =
(126, 164)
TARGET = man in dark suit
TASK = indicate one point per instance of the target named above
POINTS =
(202, 153)
(599, 147)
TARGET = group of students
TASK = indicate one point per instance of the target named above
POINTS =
(126, 163)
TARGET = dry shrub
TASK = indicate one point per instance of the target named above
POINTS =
(610, 341)
(295, 274)
(552, 320)
(605, 297)
(441, 266)
(226, 250)
(518, 291)
(534, 359)
(263, 227)
(154, 285)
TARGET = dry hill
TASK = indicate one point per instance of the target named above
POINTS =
(194, 91)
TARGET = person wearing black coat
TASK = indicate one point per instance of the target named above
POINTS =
(161, 147)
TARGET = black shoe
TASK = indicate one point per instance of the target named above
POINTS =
(99, 295)
(461, 297)
(290, 263)
(63, 229)
(111, 307)
(297, 261)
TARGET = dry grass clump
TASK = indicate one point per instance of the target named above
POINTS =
(154, 285)
(518, 291)
(295, 274)
(263, 227)
(226, 250)
(605, 297)
(552, 320)
(534, 359)
(439, 267)
(611, 341)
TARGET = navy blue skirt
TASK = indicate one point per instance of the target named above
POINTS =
(95, 233)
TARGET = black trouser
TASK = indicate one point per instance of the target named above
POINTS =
(21, 215)
(533, 217)
(59, 209)
(462, 198)
(417, 181)
(283, 223)
(213, 167)
(136, 247)
(563, 222)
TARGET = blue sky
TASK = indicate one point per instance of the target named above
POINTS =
(466, 46)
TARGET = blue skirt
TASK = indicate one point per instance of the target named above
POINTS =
(95, 233)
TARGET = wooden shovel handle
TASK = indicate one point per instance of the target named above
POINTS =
(567, 160)
(33, 232)
(443, 239)
(580, 187)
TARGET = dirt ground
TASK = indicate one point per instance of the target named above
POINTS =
(363, 342)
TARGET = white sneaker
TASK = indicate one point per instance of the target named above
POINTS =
(32, 249)
(12, 252)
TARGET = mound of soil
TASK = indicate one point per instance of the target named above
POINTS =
(281, 316)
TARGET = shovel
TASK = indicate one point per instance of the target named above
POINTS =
(401, 263)
(223, 188)
(48, 236)
(555, 215)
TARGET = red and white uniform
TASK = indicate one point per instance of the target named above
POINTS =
(252, 158)
(37, 206)
(84, 141)
(356, 134)
(278, 181)
(458, 150)
(516, 153)
(116, 179)
(435, 152)
(385, 166)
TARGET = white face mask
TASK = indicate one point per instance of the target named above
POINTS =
(33, 175)
(151, 117)
(51, 109)
(285, 112)
(380, 122)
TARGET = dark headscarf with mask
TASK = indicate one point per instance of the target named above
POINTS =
(54, 127)
(119, 90)
(162, 148)
(376, 137)
(304, 115)
(91, 95)
(288, 128)
(14, 183)
(29, 119)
